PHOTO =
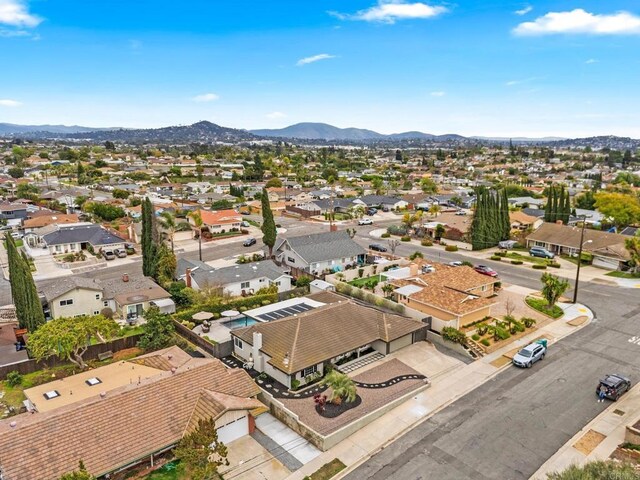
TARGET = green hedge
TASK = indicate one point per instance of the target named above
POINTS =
(451, 248)
(426, 242)
(217, 307)
(496, 258)
(540, 304)
(538, 267)
(368, 297)
(454, 335)
(516, 262)
(554, 265)
(405, 238)
(385, 235)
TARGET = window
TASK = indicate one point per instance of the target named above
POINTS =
(97, 296)
(105, 303)
(278, 283)
(245, 285)
(291, 260)
(96, 312)
(66, 302)
(93, 381)
(237, 342)
(309, 370)
(51, 394)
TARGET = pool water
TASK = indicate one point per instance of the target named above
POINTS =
(239, 323)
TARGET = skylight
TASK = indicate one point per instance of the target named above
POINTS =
(51, 394)
(93, 381)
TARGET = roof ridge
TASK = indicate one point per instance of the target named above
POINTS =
(293, 346)
(193, 411)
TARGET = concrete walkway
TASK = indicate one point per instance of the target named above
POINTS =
(611, 424)
(444, 390)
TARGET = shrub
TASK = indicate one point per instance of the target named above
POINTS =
(475, 337)
(303, 281)
(539, 267)
(498, 284)
(501, 254)
(516, 262)
(14, 378)
(485, 342)
(405, 238)
(454, 335)
(69, 257)
(397, 230)
(385, 235)
(426, 242)
(451, 248)
(188, 324)
(295, 384)
(482, 328)
(553, 265)
(500, 333)
(415, 255)
(528, 322)
(496, 258)
(360, 272)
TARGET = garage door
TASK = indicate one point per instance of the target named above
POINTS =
(234, 430)
(400, 343)
(604, 262)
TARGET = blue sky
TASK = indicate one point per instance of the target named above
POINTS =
(496, 67)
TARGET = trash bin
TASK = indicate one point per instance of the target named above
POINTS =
(543, 342)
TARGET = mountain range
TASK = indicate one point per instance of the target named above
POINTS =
(207, 132)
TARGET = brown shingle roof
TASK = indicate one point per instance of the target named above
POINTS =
(462, 278)
(213, 404)
(555, 234)
(129, 423)
(325, 332)
(447, 299)
(50, 219)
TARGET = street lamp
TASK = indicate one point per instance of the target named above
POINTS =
(582, 244)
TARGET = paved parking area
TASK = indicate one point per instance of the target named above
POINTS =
(249, 460)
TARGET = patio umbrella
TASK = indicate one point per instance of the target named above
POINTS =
(230, 313)
(202, 316)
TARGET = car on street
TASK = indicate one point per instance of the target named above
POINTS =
(484, 270)
(461, 213)
(377, 247)
(248, 242)
(541, 252)
(365, 221)
(615, 385)
(529, 355)
(108, 255)
(120, 253)
(371, 211)
(455, 264)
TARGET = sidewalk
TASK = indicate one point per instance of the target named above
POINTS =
(609, 423)
(443, 391)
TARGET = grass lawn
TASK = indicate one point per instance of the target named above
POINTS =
(623, 275)
(168, 472)
(527, 258)
(327, 471)
(361, 282)
(540, 304)
(252, 222)
(18, 242)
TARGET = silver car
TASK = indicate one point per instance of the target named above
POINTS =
(529, 355)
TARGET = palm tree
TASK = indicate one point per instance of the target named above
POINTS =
(388, 289)
(434, 210)
(552, 288)
(196, 217)
(342, 387)
(167, 221)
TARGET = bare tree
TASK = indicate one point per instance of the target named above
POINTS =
(393, 244)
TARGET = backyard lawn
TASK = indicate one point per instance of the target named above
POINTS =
(361, 282)
(168, 472)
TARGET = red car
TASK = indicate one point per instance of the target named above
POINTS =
(484, 270)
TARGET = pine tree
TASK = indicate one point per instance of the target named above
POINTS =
(23, 289)
(268, 224)
(149, 240)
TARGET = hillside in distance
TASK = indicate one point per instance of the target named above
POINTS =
(13, 129)
(319, 131)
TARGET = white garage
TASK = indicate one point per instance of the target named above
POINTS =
(233, 430)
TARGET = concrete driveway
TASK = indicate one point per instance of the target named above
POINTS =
(249, 460)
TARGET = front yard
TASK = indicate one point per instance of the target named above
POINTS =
(623, 274)
(541, 305)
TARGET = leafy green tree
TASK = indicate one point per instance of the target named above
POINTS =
(633, 247)
(201, 453)
(23, 289)
(622, 209)
(120, 193)
(80, 474)
(586, 200)
(553, 288)
(268, 223)
(490, 223)
(104, 211)
(158, 331)
(16, 172)
(70, 337)
(428, 186)
(600, 470)
(342, 387)
(168, 222)
(274, 182)
(166, 264)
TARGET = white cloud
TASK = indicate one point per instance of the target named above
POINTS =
(16, 14)
(275, 115)
(206, 97)
(524, 11)
(9, 103)
(591, 61)
(390, 11)
(512, 83)
(314, 58)
(580, 21)
(438, 94)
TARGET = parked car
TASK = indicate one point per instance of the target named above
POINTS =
(108, 255)
(461, 213)
(507, 244)
(245, 224)
(365, 221)
(615, 385)
(455, 264)
(244, 212)
(541, 252)
(120, 253)
(529, 355)
(371, 211)
(484, 270)
(377, 247)
(129, 248)
(248, 242)
(17, 235)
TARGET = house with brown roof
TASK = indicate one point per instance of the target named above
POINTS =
(297, 349)
(121, 415)
(220, 220)
(608, 249)
(521, 221)
(452, 296)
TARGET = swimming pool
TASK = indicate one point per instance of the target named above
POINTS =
(239, 323)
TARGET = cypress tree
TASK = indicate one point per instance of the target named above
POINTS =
(505, 220)
(268, 224)
(547, 207)
(149, 240)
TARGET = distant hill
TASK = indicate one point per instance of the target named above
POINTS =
(320, 131)
(13, 129)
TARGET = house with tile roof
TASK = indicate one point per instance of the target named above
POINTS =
(219, 220)
(300, 347)
(318, 252)
(608, 249)
(452, 296)
(121, 415)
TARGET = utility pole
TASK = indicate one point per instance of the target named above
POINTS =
(575, 286)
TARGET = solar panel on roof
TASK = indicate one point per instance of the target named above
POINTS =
(285, 312)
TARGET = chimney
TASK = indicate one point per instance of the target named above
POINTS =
(187, 277)
(413, 269)
(333, 227)
(125, 277)
(255, 351)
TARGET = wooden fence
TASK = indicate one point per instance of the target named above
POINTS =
(218, 350)
(30, 366)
